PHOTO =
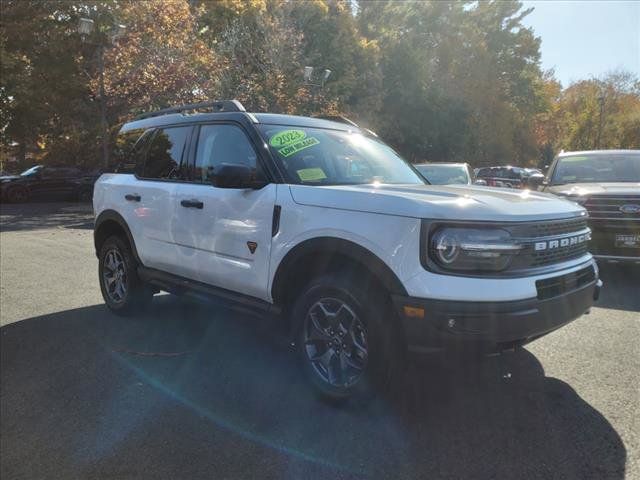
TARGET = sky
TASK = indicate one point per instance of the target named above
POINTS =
(584, 38)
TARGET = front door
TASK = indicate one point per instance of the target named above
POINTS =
(225, 234)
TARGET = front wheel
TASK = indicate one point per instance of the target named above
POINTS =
(123, 291)
(345, 338)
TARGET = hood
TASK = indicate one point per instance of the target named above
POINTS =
(613, 188)
(8, 178)
(453, 202)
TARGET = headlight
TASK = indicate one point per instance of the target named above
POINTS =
(471, 249)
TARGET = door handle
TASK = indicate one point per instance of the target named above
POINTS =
(132, 198)
(192, 204)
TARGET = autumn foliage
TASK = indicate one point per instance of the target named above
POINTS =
(456, 81)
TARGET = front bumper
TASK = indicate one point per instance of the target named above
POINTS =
(603, 243)
(491, 326)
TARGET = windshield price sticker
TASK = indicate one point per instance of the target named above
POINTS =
(311, 174)
(296, 147)
(289, 142)
(286, 137)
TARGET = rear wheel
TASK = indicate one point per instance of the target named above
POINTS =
(123, 291)
(345, 338)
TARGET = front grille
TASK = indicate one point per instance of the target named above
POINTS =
(556, 286)
(607, 221)
(530, 233)
(608, 207)
(539, 259)
(549, 228)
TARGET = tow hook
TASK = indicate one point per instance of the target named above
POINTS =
(596, 291)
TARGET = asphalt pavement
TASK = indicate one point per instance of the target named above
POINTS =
(197, 390)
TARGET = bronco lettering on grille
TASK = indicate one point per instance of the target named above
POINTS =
(563, 242)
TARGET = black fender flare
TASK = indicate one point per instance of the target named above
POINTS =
(336, 246)
(106, 217)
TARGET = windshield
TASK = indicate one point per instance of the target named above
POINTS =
(597, 168)
(315, 156)
(444, 174)
(31, 171)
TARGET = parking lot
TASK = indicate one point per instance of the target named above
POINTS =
(198, 390)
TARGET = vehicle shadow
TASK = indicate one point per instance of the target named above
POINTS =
(37, 216)
(621, 284)
(200, 391)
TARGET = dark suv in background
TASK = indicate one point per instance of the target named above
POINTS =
(510, 177)
(48, 183)
(607, 184)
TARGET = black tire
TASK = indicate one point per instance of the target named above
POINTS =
(117, 264)
(18, 195)
(372, 317)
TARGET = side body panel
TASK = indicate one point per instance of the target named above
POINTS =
(393, 239)
(396, 241)
(226, 243)
(149, 219)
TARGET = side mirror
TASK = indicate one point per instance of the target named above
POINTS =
(535, 181)
(482, 183)
(543, 184)
(235, 175)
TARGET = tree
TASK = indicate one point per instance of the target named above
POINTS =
(461, 80)
(41, 84)
(260, 52)
(590, 114)
(159, 62)
(438, 80)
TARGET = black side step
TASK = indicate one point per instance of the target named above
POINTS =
(184, 286)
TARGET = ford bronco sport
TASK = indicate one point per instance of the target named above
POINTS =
(323, 224)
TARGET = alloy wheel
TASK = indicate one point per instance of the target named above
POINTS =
(114, 275)
(335, 342)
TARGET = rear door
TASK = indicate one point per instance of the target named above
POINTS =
(149, 198)
(224, 234)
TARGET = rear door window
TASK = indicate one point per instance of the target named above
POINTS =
(165, 154)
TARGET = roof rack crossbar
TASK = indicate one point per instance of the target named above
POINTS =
(217, 106)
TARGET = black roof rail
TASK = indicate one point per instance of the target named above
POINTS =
(345, 120)
(217, 106)
(339, 119)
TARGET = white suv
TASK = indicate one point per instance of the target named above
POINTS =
(326, 226)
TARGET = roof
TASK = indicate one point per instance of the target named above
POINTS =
(599, 152)
(255, 118)
(299, 121)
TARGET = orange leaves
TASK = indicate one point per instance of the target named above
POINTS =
(159, 61)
